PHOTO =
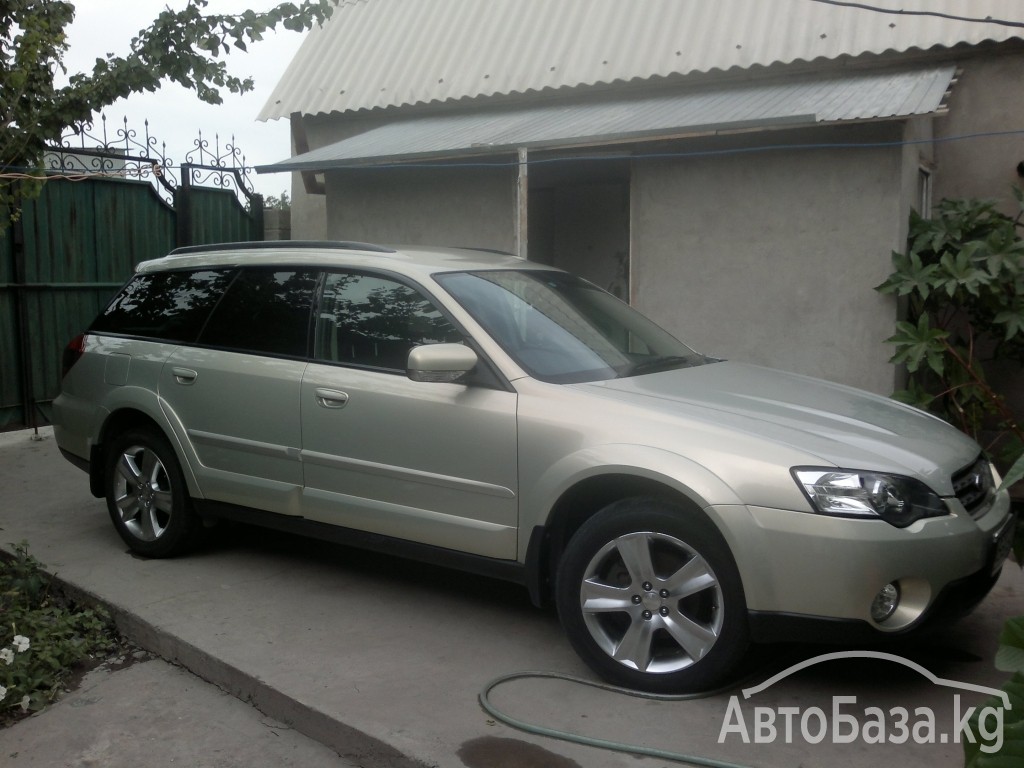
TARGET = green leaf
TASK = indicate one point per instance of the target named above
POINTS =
(1014, 474)
(915, 395)
(1010, 753)
(1010, 655)
(920, 343)
(960, 272)
(1013, 319)
(910, 275)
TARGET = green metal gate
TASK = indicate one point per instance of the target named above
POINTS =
(76, 243)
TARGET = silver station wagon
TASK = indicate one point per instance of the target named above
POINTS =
(506, 418)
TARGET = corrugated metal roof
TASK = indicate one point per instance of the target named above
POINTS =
(799, 101)
(385, 53)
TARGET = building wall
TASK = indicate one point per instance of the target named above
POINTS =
(986, 99)
(772, 257)
(277, 224)
(463, 207)
(309, 210)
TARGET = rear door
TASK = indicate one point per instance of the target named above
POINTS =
(429, 462)
(236, 393)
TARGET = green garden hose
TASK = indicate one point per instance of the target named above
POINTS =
(632, 749)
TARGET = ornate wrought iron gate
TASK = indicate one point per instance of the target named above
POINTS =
(101, 209)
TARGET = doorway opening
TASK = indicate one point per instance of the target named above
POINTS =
(578, 220)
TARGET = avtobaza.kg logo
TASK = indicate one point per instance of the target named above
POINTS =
(845, 723)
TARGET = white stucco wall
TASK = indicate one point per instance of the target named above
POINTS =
(771, 258)
(464, 207)
(985, 100)
(309, 210)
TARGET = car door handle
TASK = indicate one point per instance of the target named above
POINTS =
(184, 376)
(331, 398)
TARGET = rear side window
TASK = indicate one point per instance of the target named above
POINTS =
(169, 306)
(265, 311)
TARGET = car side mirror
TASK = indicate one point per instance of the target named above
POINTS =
(440, 362)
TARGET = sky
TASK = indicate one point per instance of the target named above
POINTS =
(175, 114)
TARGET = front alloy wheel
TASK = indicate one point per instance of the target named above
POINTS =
(651, 602)
(651, 599)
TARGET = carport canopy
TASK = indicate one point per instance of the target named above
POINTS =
(796, 101)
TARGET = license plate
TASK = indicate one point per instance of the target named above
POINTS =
(1003, 544)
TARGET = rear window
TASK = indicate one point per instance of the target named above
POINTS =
(170, 306)
(265, 311)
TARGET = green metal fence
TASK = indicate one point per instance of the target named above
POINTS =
(71, 249)
(207, 215)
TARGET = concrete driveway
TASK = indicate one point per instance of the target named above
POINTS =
(382, 660)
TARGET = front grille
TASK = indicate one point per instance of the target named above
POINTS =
(973, 487)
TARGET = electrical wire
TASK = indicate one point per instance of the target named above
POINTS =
(589, 741)
(936, 14)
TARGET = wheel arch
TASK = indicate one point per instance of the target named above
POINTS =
(585, 498)
(117, 422)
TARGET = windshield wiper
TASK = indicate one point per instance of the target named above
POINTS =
(665, 363)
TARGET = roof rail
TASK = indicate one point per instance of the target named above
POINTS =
(282, 244)
(495, 251)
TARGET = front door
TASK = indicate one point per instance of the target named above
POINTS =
(428, 462)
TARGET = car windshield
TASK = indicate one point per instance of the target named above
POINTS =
(562, 329)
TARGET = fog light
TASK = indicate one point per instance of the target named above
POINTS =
(885, 602)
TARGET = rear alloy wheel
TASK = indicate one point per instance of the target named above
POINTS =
(651, 599)
(146, 495)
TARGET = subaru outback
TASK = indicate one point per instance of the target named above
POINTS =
(496, 415)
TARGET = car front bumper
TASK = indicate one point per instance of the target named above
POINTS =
(814, 577)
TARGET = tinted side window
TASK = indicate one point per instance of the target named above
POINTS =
(374, 321)
(265, 310)
(170, 306)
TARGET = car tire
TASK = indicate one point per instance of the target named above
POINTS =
(651, 599)
(147, 497)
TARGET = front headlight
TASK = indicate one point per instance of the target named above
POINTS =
(898, 500)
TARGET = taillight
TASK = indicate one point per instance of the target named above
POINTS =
(72, 352)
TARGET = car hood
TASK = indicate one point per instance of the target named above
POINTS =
(839, 425)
